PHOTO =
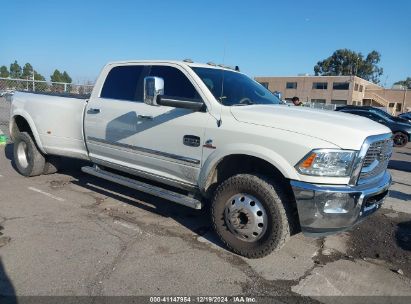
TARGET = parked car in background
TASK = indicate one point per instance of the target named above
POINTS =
(3, 93)
(7, 94)
(374, 110)
(406, 116)
(400, 129)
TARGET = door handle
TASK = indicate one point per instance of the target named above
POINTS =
(93, 111)
(191, 140)
(148, 117)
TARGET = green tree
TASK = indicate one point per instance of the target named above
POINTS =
(38, 76)
(56, 76)
(15, 70)
(345, 62)
(27, 71)
(66, 78)
(40, 86)
(406, 83)
(4, 72)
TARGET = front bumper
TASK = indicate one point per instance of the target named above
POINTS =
(326, 209)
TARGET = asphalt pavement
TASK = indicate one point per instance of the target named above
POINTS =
(70, 234)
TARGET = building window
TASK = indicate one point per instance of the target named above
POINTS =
(320, 86)
(338, 101)
(356, 87)
(398, 109)
(264, 84)
(341, 85)
(361, 88)
(291, 85)
(318, 100)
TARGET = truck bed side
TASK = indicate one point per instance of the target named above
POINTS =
(56, 122)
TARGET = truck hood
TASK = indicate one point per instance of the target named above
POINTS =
(345, 130)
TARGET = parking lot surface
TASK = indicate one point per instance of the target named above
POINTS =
(75, 235)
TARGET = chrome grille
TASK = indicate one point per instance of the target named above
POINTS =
(377, 158)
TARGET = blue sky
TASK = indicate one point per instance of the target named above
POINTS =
(263, 37)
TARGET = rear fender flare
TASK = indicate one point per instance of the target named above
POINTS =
(32, 125)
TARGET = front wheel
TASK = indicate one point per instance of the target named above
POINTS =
(249, 215)
(400, 139)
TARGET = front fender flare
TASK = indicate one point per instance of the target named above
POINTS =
(263, 153)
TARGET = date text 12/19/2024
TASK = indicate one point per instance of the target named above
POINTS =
(202, 299)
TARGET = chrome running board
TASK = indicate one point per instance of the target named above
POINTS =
(143, 187)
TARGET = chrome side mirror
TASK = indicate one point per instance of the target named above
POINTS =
(153, 87)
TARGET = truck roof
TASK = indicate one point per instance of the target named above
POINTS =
(179, 62)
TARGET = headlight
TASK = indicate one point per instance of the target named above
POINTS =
(327, 162)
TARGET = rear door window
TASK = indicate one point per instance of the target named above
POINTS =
(125, 83)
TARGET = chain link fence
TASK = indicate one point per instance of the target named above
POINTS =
(9, 86)
(4, 116)
(315, 105)
(321, 106)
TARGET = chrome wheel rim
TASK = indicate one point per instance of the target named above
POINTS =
(22, 154)
(245, 217)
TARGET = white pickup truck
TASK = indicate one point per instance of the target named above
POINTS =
(208, 136)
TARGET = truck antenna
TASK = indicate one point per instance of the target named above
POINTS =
(220, 121)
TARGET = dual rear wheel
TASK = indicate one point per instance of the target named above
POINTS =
(28, 158)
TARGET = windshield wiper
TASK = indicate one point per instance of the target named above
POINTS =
(248, 103)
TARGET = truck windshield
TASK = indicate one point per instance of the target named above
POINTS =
(233, 88)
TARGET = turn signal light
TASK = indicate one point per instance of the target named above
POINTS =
(308, 161)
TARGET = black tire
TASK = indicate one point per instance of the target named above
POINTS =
(400, 139)
(27, 157)
(51, 165)
(277, 208)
